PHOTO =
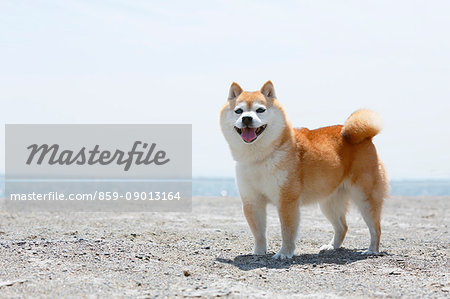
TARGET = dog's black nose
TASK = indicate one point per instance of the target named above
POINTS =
(247, 120)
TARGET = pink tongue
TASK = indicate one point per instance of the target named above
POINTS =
(248, 134)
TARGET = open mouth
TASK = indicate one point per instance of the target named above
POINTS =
(250, 134)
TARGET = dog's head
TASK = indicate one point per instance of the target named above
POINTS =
(252, 118)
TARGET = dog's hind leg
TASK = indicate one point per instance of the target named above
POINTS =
(335, 208)
(370, 208)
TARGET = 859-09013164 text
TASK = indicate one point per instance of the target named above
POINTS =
(97, 195)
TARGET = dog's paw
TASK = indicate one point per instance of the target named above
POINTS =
(259, 252)
(326, 247)
(282, 255)
(370, 252)
(260, 248)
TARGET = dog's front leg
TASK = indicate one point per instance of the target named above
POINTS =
(288, 211)
(256, 218)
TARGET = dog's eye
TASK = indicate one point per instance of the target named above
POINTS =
(238, 111)
(260, 110)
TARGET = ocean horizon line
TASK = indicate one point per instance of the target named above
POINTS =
(226, 186)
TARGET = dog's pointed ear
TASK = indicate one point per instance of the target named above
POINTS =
(268, 90)
(235, 91)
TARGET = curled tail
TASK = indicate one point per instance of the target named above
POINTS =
(362, 124)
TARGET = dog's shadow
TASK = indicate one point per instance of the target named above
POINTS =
(340, 256)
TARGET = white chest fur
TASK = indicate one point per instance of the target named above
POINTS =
(261, 180)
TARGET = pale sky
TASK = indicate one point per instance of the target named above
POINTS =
(173, 62)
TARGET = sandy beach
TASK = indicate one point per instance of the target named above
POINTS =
(206, 253)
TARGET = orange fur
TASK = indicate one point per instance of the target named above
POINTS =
(324, 158)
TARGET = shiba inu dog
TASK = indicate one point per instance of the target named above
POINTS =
(289, 167)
